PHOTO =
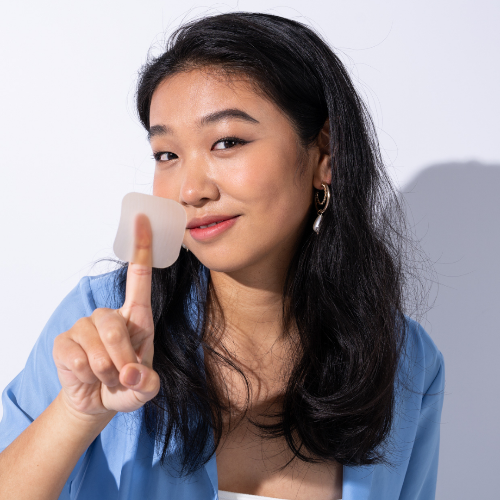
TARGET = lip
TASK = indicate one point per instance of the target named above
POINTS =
(200, 234)
(209, 219)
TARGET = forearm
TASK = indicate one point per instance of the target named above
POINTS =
(38, 463)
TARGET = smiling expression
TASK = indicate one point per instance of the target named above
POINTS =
(223, 151)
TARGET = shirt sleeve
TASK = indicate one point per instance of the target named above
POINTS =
(413, 446)
(27, 396)
(421, 475)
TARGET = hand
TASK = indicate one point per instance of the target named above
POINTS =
(104, 361)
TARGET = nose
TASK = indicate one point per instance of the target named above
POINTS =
(197, 185)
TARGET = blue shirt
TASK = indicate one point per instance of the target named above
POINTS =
(122, 462)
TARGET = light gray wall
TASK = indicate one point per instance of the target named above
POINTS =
(454, 209)
(71, 147)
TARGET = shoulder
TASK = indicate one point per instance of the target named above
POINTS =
(420, 358)
(28, 394)
(412, 447)
(90, 293)
(105, 290)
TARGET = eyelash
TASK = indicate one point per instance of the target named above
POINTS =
(236, 140)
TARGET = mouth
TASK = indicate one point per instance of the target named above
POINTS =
(209, 221)
(211, 229)
(210, 225)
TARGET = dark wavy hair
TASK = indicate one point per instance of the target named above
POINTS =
(345, 287)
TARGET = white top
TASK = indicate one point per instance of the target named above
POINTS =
(228, 495)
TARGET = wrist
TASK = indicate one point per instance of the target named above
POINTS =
(93, 423)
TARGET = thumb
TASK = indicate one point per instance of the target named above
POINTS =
(144, 381)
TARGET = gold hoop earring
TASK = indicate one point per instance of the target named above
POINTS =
(321, 206)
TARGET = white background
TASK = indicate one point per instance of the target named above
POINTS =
(71, 145)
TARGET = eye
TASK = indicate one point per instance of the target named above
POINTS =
(164, 156)
(227, 143)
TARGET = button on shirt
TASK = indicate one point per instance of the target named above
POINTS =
(122, 462)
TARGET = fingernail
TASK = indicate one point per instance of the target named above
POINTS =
(132, 376)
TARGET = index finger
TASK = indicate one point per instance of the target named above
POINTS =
(138, 288)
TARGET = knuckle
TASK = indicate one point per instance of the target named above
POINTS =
(57, 342)
(101, 313)
(79, 327)
(80, 323)
(61, 347)
(78, 363)
(112, 335)
(103, 365)
(138, 305)
(141, 270)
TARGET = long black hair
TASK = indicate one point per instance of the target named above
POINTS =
(344, 289)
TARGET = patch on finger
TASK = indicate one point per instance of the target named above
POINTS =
(168, 223)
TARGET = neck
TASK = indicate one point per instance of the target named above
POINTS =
(253, 336)
(251, 303)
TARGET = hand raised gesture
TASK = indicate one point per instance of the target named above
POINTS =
(104, 361)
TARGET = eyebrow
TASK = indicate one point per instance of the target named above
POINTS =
(215, 117)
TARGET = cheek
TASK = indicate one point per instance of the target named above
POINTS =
(158, 185)
(274, 191)
(164, 187)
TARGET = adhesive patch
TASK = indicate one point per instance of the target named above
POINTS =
(168, 222)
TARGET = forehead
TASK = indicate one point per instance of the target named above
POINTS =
(197, 92)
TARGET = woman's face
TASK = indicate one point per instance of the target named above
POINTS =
(226, 153)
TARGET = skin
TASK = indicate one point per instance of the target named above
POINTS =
(104, 361)
(104, 366)
(257, 180)
(268, 181)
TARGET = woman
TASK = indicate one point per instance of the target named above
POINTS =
(282, 363)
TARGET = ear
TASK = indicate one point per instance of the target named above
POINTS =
(323, 167)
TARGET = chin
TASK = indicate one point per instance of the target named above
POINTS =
(220, 265)
(226, 262)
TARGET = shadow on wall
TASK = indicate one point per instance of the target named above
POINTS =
(454, 210)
